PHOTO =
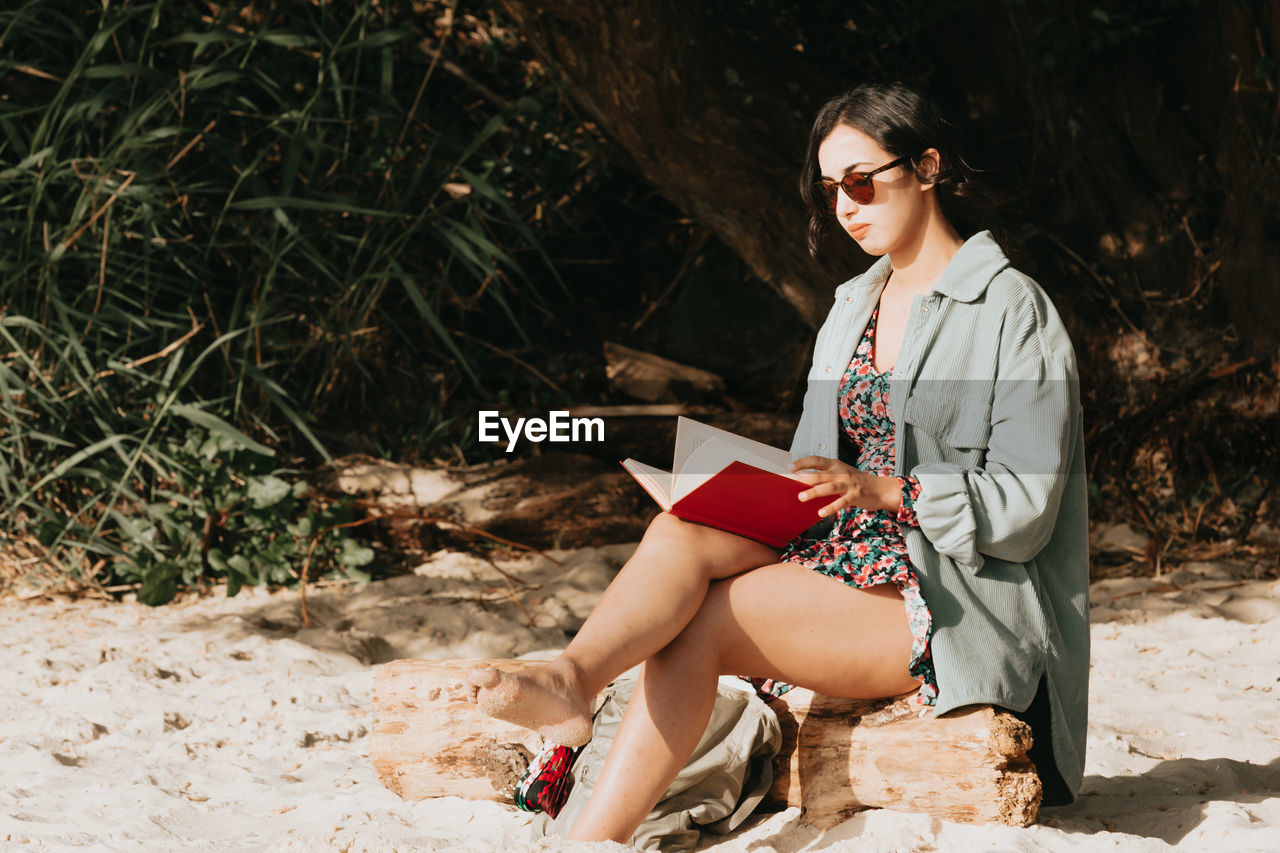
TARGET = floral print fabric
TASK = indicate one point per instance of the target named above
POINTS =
(866, 547)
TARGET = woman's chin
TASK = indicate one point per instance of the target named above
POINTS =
(871, 247)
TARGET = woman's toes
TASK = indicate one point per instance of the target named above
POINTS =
(483, 677)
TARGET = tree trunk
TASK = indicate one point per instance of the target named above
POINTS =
(1149, 160)
(718, 125)
(838, 755)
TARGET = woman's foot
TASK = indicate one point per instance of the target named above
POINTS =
(542, 700)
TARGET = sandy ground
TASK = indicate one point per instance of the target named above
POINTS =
(223, 724)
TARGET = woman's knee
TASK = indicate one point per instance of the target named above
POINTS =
(665, 524)
(701, 639)
(667, 531)
(720, 552)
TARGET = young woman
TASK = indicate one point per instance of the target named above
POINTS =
(941, 430)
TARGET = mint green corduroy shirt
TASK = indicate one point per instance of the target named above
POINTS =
(986, 407)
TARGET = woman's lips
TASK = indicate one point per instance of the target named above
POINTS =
(856, 231)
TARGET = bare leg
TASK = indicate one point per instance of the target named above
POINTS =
(651, 600)
(783, 621)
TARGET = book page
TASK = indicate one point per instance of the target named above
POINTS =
(714, 454)
(691, 435)
(654, 480)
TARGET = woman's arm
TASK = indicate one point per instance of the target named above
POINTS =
(1007, 508)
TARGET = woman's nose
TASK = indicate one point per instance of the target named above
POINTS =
(844, 204)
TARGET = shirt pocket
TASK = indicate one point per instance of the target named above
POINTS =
(959, 423)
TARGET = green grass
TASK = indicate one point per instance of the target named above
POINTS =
(224, 227)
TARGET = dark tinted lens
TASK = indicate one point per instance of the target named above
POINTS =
(859, 188)
(827, 192)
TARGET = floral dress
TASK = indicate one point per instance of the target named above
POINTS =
(866, 547)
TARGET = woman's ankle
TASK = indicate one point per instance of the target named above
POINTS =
(574, 678)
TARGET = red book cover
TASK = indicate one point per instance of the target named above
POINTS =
(732, 483)
(746, 500)
(757, 504)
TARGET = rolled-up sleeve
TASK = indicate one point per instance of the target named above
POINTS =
(1006, 508)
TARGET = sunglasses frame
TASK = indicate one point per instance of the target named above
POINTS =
(851, 182)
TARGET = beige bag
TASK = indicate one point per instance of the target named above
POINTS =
(728, 774)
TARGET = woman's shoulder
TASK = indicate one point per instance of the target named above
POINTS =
(1028, 311)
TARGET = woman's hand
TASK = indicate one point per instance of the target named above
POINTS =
(855, 487)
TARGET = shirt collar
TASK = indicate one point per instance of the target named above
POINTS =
(966, 276)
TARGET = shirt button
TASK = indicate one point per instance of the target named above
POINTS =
(924, 309)
(822, 445)
(828, 368)
(848, 299)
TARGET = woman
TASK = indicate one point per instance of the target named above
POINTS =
(956, 559)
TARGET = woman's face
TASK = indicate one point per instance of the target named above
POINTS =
(893, 219)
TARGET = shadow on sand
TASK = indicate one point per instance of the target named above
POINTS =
(1166, 802)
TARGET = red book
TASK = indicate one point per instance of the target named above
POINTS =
(732, 483)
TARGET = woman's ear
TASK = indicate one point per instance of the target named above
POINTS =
(929, 165)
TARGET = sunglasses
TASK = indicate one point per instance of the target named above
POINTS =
(856, 185)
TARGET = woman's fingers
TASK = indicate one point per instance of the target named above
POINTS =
(811, 478)
(825, 487)
(828, 487)
(832, 477)
(833, 507)
(826, 490)
(820, 462)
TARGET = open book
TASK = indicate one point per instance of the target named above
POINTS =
(730, 482)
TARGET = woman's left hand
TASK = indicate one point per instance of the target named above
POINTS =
(854, 487)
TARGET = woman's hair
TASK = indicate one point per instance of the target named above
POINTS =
(905, 123)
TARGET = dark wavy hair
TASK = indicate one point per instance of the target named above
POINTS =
(905, 123)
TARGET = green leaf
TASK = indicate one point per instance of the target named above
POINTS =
(281, 402)
(239, 564)
(376, 40)
(159, 584)
(217, 560)
(359, 576)
(214, 80)
(283, 39)
(216, 424)
(354, 555)
(279, 202)
(128, 69)
(267, 491)
(72, 461)
(27, 163)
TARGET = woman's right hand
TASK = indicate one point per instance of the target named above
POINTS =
(853, 487)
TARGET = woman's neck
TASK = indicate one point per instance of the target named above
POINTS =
(918, 265)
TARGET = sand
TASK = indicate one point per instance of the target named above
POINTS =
(224, 724)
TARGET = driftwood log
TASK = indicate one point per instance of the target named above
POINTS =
(429, 741)
(842, 755)
(838, 755)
